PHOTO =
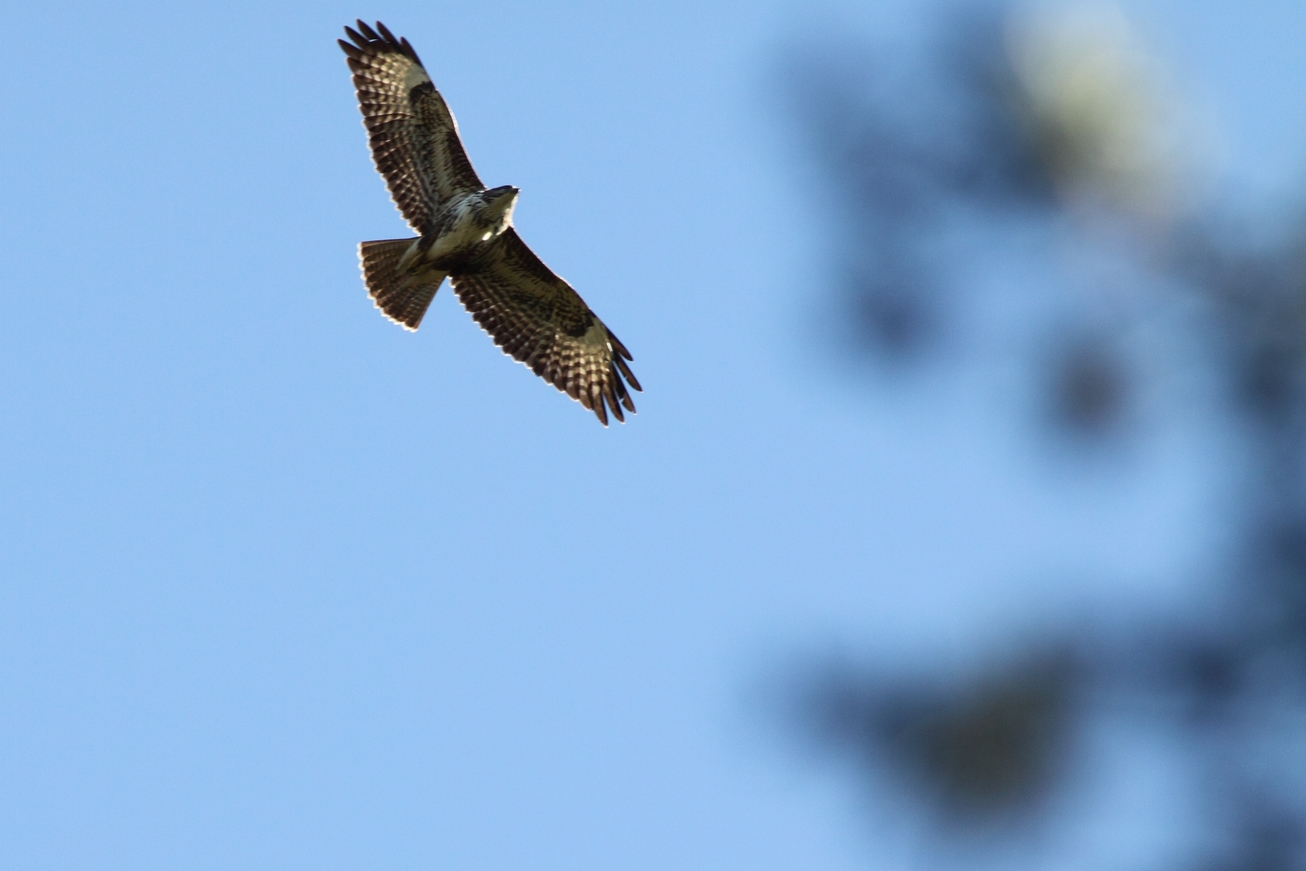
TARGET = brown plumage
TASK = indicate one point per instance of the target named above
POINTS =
(465, 232)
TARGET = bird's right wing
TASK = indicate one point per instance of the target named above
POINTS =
(413, 134)
(536, 318)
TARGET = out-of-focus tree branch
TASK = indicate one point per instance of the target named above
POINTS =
(1065, 122)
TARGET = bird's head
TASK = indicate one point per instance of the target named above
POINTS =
(498, 205)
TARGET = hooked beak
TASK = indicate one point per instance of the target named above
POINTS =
(505, 195)
(502, 200)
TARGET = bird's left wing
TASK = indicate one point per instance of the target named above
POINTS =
(413, 134)
(538, 319)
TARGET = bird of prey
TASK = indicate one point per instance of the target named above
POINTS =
(465, 233)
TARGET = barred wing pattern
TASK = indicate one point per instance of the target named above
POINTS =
(413, 134)
(539, 320)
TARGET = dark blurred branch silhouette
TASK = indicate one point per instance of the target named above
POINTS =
(1061, 123)
(977, 753)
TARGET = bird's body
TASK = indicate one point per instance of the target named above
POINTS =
(463, 224)
(466, 234)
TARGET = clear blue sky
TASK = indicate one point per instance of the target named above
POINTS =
(283, 586)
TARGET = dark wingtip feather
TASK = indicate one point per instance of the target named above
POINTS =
(627, 374)
(412, 52)
(627, 401)
(612, 400)
(378, 40)
(619, 388)
(618, 347)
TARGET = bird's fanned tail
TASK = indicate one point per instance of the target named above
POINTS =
(402, 298)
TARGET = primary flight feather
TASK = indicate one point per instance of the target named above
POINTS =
(465, 233)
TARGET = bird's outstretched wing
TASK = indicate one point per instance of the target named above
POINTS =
(536, 318)
(413, 135)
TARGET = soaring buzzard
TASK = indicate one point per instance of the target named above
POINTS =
(466, 234)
